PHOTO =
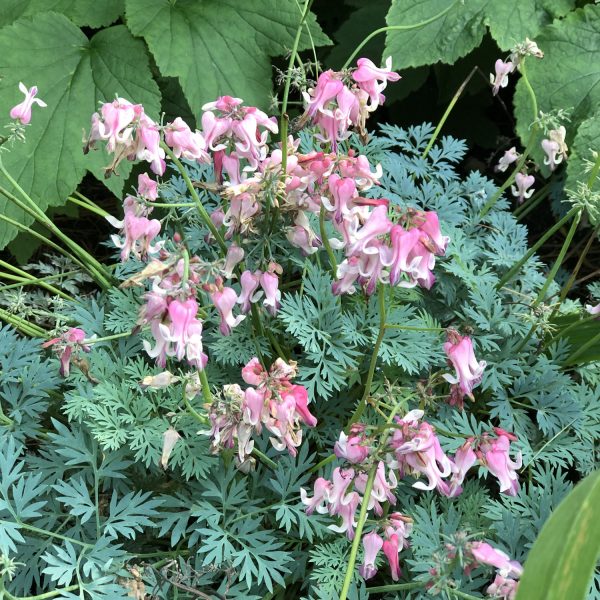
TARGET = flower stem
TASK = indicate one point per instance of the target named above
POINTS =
(397, 28)
(206, 393)
(382, 326)
(107, 338)
(5, 594)
(326, 243)
(30, 329)
(99, 211)
(25, 278)
(513, 270)
(264, 458)
(395, 587)
(194, 194)
(51, 534)
(446, 114)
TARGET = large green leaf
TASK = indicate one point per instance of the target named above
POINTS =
(562, 559)
(462, 28)
(73, 74)
(444, 40)
(579, 332)
(219, 47)
(582, 153)
(568, 76)
(91, 13)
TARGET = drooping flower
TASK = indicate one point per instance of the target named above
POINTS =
(555, 148)
(270, 285)
(593, 310)
(464, 459)
(510, 156)
(170, 438)
(485, 554)
(522, 190)
(71, 340)
(352, 447)
(494, 453)
(373, 80)
(320, 497)
(224, 299)
(500, 78)
(503, 588)
(147, 187)
(22, 111)
(469, 371)
(391, 549)
(372, 543)
(185, 142)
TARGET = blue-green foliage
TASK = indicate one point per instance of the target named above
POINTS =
(88, 500)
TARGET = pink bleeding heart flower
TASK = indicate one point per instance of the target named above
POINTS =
(464, 459)
(485, 554)
(352, 447)
(510, 156)
(373, 80)
(253, 407)
(522, 190)
(593, 310)
(300, 395)
(554, 147)
(184, 142)
(347, 510)
(320, 497)
(147, 187)
(469, 371)
(500, 79)
(494, 453)
(71, 340)
(372, 543)
(224, 299)
(391, 549)
(22, 111)
(254, 373)
(270, 285)
(235, 254)
(250, 283)
(503, 588)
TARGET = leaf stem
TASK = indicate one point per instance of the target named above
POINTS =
(446, 114)
(397, 28)
(194, 194)
(326, 243)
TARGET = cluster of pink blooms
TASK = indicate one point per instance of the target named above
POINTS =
(22, 111)
(272, 401)
(344, 99)
(469, 371)
(504, 586)
(413, 449)
(64, 346)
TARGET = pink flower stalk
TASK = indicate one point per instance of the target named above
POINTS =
(391, 549)
(555, 147)
(22, 111)
(224, 299)
(469, 371)
(522, 191)
(484, 554)
(500, 79)
(372, 543)
(184, 142)
(147, 187)
(373, 80)
(64, 346)
(270, 285)
(503, 588)
(352, 447)
(510, 156)
(494, 453)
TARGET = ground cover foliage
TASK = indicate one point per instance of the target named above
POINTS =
(134, 461)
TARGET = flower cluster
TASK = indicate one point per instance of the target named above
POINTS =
(271, 401)
(64, 346)
(469, 371)
(413, 449)
(343, 99)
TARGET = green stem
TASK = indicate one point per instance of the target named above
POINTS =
(409, 328)
(550, 278)
(192, 190)
(8, 596)
(396, 28)
(530, 144)
(29, 278)
(51, 534)
(583, 348)
(524, 209)
(513, 270)
(38, 279)
(107, 338)
(171, 205)
(367, 391)
(206, 394)
(99, 211)
(395, 587)
(326, 243)
(362, 517)
(459, 594)
(264, 458)
(30, 329)
(193, 411)
(447, 113)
